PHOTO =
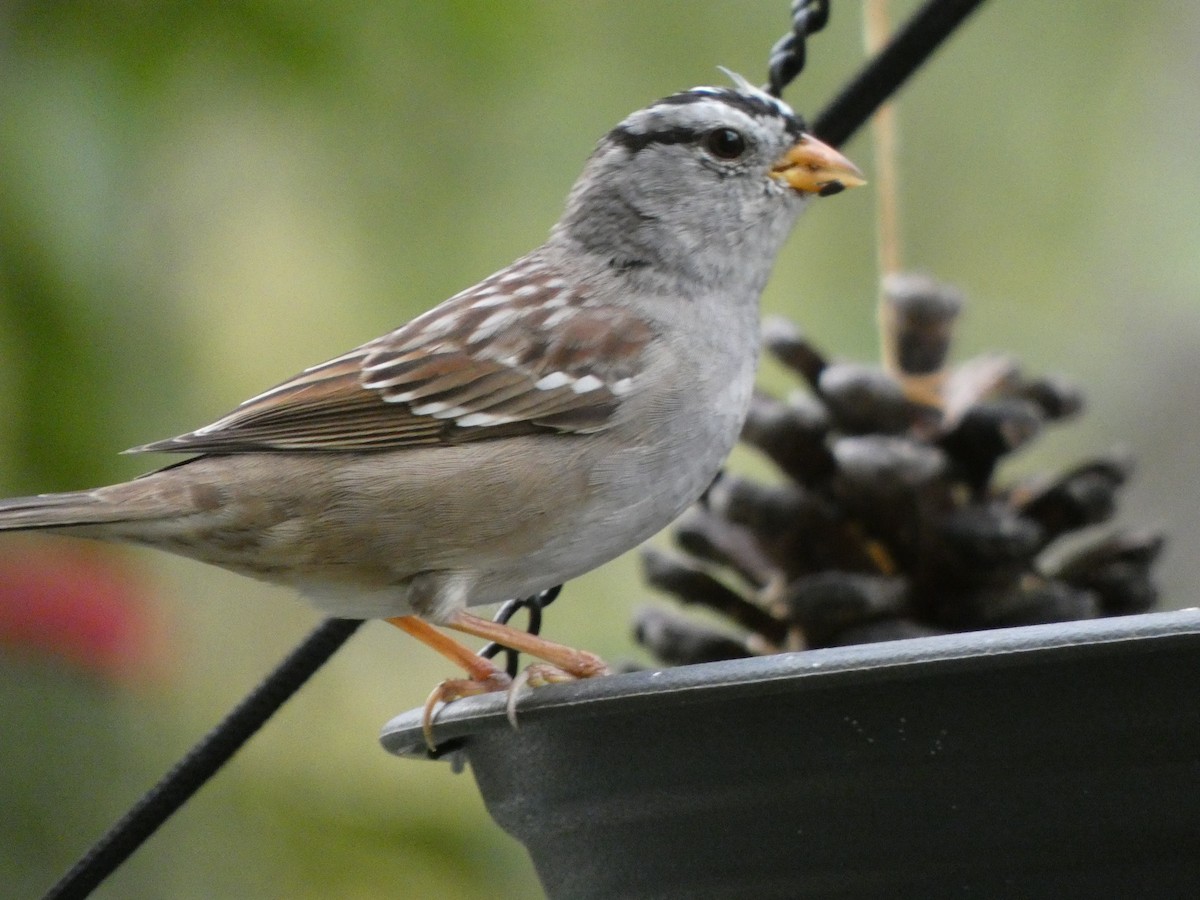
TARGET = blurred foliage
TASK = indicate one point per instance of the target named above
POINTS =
(198, 199)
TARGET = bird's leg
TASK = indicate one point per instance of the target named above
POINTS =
(484, 675)
(572, 662)
(480, 669)
(565, 663)
(562, 663)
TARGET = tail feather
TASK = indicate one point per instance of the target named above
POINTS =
(67, 510)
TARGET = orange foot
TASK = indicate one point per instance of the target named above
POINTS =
(484, 676)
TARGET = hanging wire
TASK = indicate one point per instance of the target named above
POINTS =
(787, 57)
(884, 137)
(876, 28)
(884, 74)
(510, 608)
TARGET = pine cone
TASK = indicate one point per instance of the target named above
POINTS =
(891, 523)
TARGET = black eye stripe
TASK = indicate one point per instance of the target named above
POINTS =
(635, 142)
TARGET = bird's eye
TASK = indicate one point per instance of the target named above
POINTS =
(725, 143)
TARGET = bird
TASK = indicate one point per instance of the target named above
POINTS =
(526, 430)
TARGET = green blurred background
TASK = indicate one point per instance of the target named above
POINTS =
(198, 199)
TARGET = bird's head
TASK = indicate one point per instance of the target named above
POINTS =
(713, 170)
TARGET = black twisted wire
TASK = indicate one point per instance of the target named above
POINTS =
(535, 605)
(787, 57)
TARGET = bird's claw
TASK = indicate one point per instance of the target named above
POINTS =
(583, 665)
(536, 675)
(455, 689)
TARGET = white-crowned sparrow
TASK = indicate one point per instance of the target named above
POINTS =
(528, 429)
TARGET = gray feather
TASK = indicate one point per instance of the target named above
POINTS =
(57, 511)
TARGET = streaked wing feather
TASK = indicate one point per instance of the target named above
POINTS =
(545, 359)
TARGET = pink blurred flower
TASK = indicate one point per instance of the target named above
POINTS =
(81, 605)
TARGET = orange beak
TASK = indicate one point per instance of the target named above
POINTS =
(813, 167)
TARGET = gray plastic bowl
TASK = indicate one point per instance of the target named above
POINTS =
(1049, 761)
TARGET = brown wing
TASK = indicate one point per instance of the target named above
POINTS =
(519, 352)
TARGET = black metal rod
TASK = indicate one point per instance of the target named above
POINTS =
(202, 761)
(908, 49)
